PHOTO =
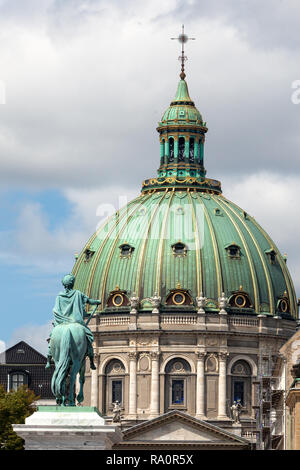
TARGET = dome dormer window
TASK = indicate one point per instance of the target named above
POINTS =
(126, 250)
(179, 249)
(218, 211)
(271, 255)
(233, 250)
(88, 254)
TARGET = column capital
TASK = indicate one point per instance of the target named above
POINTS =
(132, 355)
(223, 355)
(154, 355)
(201, 355)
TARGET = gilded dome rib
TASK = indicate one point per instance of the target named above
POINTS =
(247, 251)
(123, 211)
(142, 252)
(215, 248)
(285, 271)
(262, 258)
(108, 263)
(160, 247)
(197, 248)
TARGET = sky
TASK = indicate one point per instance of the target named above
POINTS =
(83, 85)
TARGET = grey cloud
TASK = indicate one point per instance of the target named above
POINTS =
(265, 24)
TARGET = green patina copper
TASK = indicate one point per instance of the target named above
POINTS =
(70, 341)
(182, 136)
(181, 205)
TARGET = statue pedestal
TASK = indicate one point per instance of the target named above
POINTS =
(67, 428)
(237, 429)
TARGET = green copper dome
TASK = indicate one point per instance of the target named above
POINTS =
(221, 249)
(182, 109)
(182, 239)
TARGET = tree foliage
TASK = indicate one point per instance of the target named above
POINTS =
(15, 406)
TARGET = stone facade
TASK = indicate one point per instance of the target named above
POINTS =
(197, 364)
(290, 369)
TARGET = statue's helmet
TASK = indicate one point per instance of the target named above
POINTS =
(68, 281)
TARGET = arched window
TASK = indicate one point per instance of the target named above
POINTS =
(181, 149)
(171, 149)
(241, 385)
(162, 150)
(177, 384)
(191, 150)
(114, 385)
(200, 153)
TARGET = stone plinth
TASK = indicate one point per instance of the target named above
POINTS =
(67, 428)
(237, 429)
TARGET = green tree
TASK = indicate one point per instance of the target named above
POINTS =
(15, 406)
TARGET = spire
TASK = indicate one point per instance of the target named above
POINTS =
(182, 136)
(182, 93)
(183, 38)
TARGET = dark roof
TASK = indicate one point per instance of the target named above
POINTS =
(22, 353)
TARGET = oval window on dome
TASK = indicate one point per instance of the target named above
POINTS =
(284, 306)
(178, 298)
(240, 300)
(118, 300)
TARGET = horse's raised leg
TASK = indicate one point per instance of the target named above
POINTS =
(73, 374)
(81, 381)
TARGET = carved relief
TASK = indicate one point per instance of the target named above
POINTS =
(211, 364)
(212, 341)
(144, 363)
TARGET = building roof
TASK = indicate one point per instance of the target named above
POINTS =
(206, 224)
(224, 249)
(22, 353)
(177, 430)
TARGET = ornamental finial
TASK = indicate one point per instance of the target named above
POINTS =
(183, 38)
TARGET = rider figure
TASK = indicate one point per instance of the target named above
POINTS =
(70, 308)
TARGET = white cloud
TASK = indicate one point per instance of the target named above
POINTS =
(34, 335)
(90, 80)
(274, 202)
(34, 244)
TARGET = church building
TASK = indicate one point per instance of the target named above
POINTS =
(195, 296)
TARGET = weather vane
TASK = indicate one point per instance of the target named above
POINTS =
(183, 38)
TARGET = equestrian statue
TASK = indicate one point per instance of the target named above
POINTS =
(71, 341)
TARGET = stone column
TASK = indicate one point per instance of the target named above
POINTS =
(200, 402)
(94, 382)
(132, 384)
(154, 405)
(222, 386)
